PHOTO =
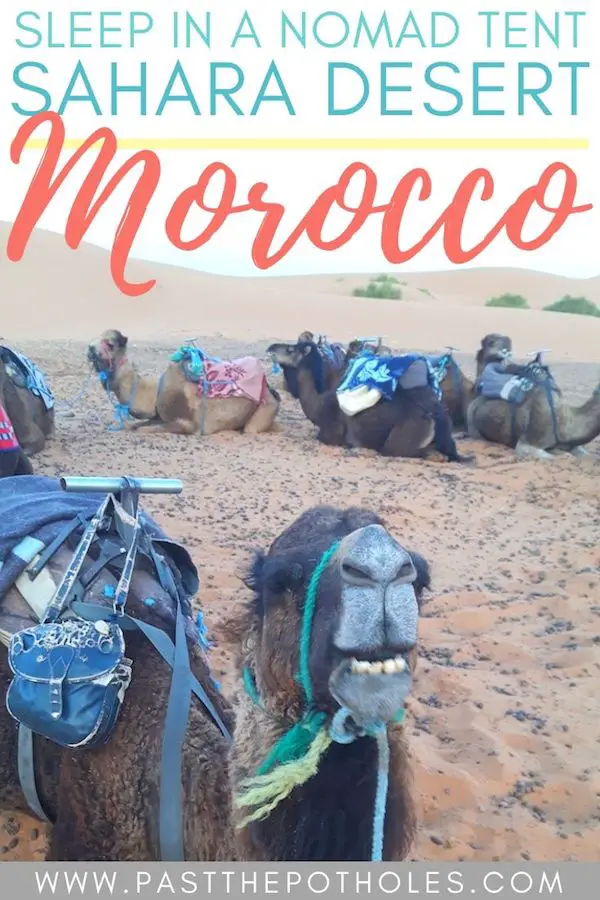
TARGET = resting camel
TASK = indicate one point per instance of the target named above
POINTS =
(12, 459)
(540, 425)
(175, 404)
(336, 598)
(412, 424)
(33, 423)
(333, 369)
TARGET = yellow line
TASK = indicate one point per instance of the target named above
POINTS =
(332, 143)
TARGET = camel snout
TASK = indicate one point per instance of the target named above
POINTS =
(379, 609)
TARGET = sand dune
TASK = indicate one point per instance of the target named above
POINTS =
(61, 293)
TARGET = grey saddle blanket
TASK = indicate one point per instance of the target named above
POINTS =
(26, 373)
(33, 506)
(495, 383)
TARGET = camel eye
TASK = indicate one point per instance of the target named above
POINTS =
(110, 345)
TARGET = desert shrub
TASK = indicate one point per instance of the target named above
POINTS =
(577, 306)
(381, 290)
(386, 279)
(510, 301)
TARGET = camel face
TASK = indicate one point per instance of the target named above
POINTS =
(290, 354)
(105, 353)
(363, 632)
(495, 348)
(375, 627)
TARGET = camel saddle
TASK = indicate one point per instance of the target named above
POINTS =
(219, 379)
(371, 378)
(25, 374)
(495, 383)
(70, 672)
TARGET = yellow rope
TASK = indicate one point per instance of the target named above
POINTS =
(265, 792)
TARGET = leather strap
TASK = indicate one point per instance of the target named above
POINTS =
(26, 766)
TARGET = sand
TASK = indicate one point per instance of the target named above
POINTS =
(503, 721)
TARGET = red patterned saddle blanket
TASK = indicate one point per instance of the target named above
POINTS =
(8, 438)
(243, 377)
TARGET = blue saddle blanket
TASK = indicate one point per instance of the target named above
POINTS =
(386, 373)
(30, 375)
(495, 383)
(36, 507)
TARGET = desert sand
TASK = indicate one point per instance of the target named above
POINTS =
(504, 718)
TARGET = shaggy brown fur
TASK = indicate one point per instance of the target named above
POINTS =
(174, 405)
(104, 802)
(33, 423)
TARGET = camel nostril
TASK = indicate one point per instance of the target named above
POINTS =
(406, 572)
(355, 573)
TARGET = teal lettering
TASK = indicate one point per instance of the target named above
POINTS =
(574, 82)
(71, 97)
(29, 29)
(187, 97)
(246, 22)
(263, 97)
(116, 89)
(32, 88)
(437, 86)
(385, 89)
(533, 92)
(448, 17)
(222, 91)
(405, 34)
(350, 67)
(485, 88)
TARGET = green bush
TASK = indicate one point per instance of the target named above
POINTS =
(386, 279)
(510, 301)
(578, 306)
(381, 290)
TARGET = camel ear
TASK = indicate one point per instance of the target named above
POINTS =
(423, 579)
(122, 340)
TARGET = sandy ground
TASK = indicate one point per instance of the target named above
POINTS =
(504, 718)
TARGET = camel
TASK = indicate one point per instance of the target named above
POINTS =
(333, 369)
(174, 403)
(412, 424)
(306, 612)
(541, 424)
(33, 423)
(12, 459)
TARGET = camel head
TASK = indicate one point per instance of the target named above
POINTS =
(495, 348)
(339, 588)
(374, 346)
(303, 354)
(108, 351)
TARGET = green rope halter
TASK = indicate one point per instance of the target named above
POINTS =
(296, 742)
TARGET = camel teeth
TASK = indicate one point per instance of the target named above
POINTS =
(387, 667)
(361, 666)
